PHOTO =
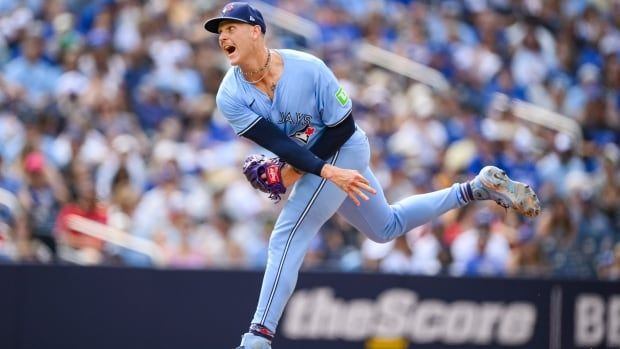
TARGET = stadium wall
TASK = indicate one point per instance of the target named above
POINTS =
(95, 307)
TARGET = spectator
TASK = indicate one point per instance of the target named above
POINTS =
(399, 259)
(30, 78)
(124, 165)
(181, 250)
(482, 263)
(529, 64)
(481, 250)
(427, 249)
(607, 186)
(559, 164)
(611, 271)
(557, 230)
(10, 220)
(44, 194)
(84, 204)
(528, 260)
(578, 95)
(121, 210)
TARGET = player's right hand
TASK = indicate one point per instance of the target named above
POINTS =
(349, 181)
(290, 175)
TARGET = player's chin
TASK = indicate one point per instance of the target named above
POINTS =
(233, 58)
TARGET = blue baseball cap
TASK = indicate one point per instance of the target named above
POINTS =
(237, 11)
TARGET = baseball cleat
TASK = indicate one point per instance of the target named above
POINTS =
(492, 183)
(251, 341)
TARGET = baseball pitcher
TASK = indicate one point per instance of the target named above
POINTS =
(291, 104)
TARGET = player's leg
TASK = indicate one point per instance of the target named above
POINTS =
(311, 203)
(382, 222)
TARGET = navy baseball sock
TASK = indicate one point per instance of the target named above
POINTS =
(465, 193)
(261, 331)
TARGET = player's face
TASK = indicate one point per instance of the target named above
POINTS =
(237, 40)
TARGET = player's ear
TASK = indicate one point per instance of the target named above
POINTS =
(256, 32)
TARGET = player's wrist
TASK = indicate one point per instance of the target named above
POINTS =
(289, 167)
(327, 171)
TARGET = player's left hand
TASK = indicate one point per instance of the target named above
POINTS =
(265, 174)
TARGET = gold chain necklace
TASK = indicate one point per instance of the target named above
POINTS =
(264, 69)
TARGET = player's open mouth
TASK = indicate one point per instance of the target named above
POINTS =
(230, 49)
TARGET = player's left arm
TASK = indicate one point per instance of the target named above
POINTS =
(334, 137)
(335, 108)
(324, 147)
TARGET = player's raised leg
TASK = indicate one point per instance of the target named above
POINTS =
(382, 222)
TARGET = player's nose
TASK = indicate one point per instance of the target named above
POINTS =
(224, 37)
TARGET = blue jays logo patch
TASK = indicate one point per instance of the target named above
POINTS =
(304, 134)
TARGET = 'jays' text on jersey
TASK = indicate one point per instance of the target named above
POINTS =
(307, 99)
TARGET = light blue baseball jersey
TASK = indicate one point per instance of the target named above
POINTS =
(307, 99)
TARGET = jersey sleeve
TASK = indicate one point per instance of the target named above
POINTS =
(333, 101)
(236, 111)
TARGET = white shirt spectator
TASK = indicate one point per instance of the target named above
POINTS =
(528, 67)
(464, 248)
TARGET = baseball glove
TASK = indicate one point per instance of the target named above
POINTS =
(265, 175)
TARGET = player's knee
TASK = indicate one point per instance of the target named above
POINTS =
(381, 239)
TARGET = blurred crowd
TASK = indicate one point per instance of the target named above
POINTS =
(107, 112)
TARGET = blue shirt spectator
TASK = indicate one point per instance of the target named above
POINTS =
(30, 74)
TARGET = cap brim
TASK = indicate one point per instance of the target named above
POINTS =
(213, 24)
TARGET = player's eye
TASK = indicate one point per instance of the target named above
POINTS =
(228, 29)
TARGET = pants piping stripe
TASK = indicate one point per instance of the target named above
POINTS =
(288, 243)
